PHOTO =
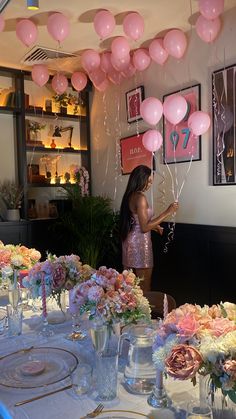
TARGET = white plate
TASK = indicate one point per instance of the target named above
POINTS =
(123, 414)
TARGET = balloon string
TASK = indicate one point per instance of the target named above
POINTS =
(161, 182)
(185, 177)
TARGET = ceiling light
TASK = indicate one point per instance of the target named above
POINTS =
(33, 4)
(3, 4)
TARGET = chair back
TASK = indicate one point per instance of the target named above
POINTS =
(156, 300)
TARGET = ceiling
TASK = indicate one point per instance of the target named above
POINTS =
(159, 16)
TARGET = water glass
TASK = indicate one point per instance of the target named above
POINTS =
(107, 374)
(3, 317)
(195, 410)
(82, 379)
(14, 316)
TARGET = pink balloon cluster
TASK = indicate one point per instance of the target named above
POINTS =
(208, 24)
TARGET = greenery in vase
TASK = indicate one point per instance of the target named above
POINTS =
(35, 126)
(11, 194)
(65, 99)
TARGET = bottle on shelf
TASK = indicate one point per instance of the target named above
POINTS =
(53, 144)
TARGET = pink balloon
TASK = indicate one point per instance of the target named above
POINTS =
(26, 31)
(151, 110)
(79, 80)
(106, 65)
(121, 63)
(58, 26)
(90, 60)
(129, 71)
(59, 83)
(157, 51)
(133, 25)
(141, 59)
(103, 86)
(104, 23)
(40, 74)
(199, 122)
(2, 23)
(211, 9)
(208, 30)
(97, 76)
(175, 43)
(115, 77)
(120, 47)
(152, 140)
(175, 108)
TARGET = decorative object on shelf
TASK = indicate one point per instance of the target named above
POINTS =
(48, 105)
(33, 132)
(53, 144)
(57, 133)
(194, 339)
(65, 99)
(11, 194)
(67, 177)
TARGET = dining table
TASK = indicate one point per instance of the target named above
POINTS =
(66, 404)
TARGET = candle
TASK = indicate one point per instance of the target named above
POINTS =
(165, 306)
(159, 379)
(44, 304)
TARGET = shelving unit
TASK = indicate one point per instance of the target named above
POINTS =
(38, 167)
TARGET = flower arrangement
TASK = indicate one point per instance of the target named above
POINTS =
(112, 296)
(35, 126)
(194, 339)
(69, 99)
(11, 194)
(60, 273)
(81, 177)
(16, 258)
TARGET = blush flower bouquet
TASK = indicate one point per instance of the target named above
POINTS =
(60, 273)
(16, 258)
(81, 176)
(194, 339)
(112, 295)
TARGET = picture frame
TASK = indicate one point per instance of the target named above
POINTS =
(223, 126)
(179, 145)
(133, 153)
(133, 101)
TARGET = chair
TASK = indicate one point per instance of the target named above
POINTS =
(156, 299)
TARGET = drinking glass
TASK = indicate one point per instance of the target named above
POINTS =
(82, 379)
(195, 410)
(14, 316)
(107, 374)
(99, 335)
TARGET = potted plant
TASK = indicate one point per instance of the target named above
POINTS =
(63, 100)
(11, 195)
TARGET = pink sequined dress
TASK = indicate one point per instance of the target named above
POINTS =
(137, 247)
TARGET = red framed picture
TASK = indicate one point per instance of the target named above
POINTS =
(133, 101)
(178, 144)
(133, 153)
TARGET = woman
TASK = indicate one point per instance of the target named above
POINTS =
(136, 223)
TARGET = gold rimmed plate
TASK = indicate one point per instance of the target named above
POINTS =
(56, 365)
(123, 414)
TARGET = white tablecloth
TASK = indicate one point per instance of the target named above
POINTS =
(65, 404)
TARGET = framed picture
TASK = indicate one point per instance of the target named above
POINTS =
(179, 145)
(224, 122)
(133, 101)
(133, 153)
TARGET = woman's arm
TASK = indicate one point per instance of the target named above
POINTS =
(142, 212)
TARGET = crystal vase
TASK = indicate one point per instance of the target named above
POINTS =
(158, 396)
(14, 290)
(222, 406)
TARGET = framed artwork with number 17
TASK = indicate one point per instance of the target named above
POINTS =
(180, 145)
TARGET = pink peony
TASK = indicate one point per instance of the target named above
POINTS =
(183, 362)
(95, 293)
(230, 368)
(221, 326)
(188, 326)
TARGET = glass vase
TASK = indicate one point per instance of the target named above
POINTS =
(14, 290)
(222, 406)
(158, 396)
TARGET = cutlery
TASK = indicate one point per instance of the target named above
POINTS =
(43, 395)
(95, 412)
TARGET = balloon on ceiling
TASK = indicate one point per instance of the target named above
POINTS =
(79, 80)
(26, 31)
(104, 23)
(157, 51)
(151, 110)
(59, 83)
(133, 25)
(40, 74)
(58, 26)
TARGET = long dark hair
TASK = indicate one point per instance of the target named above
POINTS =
(137, 182)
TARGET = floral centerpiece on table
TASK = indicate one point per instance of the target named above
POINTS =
(112, 295)
(194, 339)
(16, 258)
(60, 273)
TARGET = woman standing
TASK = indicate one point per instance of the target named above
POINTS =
(136, 223)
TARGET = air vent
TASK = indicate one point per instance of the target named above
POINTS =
(38, 55)
(3, 4)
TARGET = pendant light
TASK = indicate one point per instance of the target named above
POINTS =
(33, 4)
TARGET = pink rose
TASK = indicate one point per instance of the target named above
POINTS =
(230, 368)
(59, 276)
(188, 326)
(183, 362)
(221, 326)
